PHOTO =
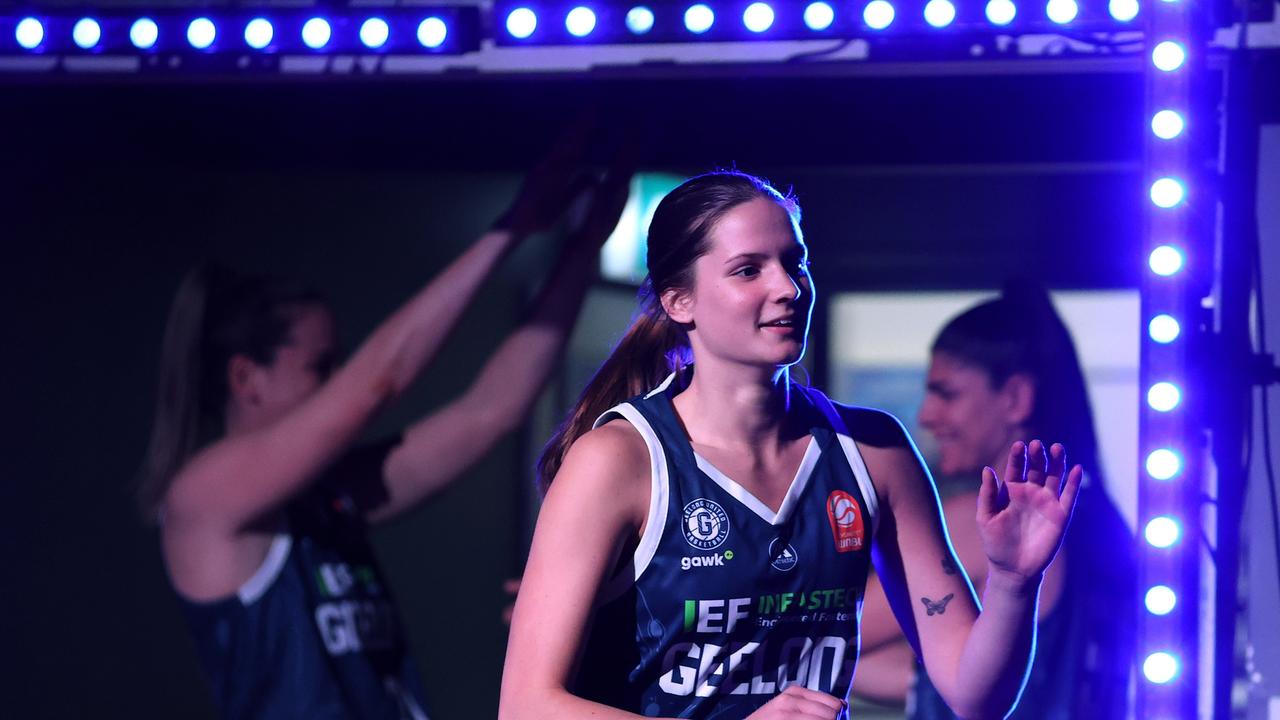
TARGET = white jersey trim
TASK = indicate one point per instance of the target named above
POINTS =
(659, 500)
(256, 586)
(854, 457)
(812, 454)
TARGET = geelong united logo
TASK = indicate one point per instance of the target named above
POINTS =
(706, 525)
(846, 522)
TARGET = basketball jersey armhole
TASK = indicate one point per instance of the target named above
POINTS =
(257, 585)
(659, 502)
(854, 458)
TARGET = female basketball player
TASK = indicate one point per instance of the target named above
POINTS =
(702, 551)
(1002, 371)
(263, 509)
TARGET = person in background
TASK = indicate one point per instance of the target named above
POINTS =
(261, 500)
(1004, 371)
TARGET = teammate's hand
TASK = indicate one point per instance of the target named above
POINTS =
(800, 703)
(553, 184)
(1022, 520)
(608, 199)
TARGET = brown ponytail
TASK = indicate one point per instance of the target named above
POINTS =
(655, 345)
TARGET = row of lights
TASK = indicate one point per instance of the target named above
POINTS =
(1164, 360)
(582, 21)
(33, 33)
(203, 33)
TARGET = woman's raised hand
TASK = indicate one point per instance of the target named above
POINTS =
(1023, 519)
(553, 184)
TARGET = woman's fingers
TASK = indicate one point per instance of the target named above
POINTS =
(988, 495)
(808, 703)
(1071, 488)
(1015, 470)
(1057, 469)
(1037, 463)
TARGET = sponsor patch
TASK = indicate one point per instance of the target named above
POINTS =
(846, 521)
(782, 556)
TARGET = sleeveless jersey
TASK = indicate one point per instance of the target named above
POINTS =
(314, 633)
(726, 603)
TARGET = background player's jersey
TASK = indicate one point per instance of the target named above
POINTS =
(314, 633)
(727, 603)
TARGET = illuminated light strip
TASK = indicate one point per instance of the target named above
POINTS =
(643, 22)
(1175, 244)
(165, 31)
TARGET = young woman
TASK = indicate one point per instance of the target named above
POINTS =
(1002, 371)
(262, 508)
(703, 547)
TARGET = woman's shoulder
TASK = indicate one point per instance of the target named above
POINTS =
(613, 452)
(609, 464)
(873, 427)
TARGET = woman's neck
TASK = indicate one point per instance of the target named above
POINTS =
(736, 407)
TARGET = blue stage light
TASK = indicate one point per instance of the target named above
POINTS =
(758, 17)
(1062, 11)
(432, 32)
(1164, 329)
(316, 33)
(1169, 56)
(1160, 667)
(819, 16)
(1165, 260)
(144, 33)
(374, 33)
(878, 14)
(1167, 124)
(1163, 397)
(258, 33)
(29, 33)
(1123, 10)
(939, 13)
(521, 23)
(1001, 12)
(699, 19)
(639, 20)
(86, 33)
(1167, 192)
(201, 33)
(1163, 464)
(580, 21)
(1161, 600)
(1162, 532)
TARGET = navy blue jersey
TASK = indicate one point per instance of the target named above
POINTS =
(724, 602)
(314, 633)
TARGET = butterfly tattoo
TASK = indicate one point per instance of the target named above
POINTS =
(939, 607)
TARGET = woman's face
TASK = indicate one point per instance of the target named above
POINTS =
(966, 415)
(752, 296)
(302, 363)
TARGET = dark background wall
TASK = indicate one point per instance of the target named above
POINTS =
(110, 191)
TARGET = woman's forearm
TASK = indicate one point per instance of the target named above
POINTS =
(997, 653)
(402, 345)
